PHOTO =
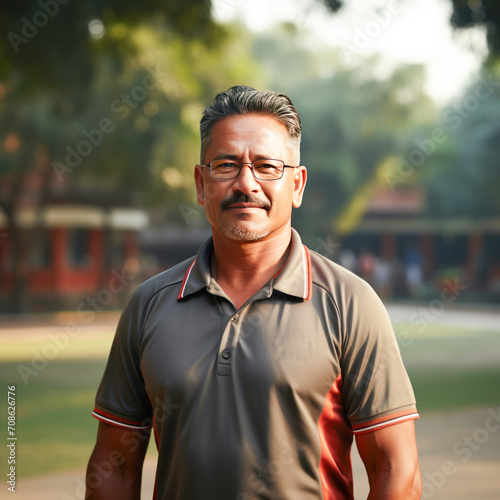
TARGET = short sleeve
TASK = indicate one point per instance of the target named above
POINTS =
(376, 388)
(121, 399)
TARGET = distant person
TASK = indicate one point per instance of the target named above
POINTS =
(348, 259)
(382, 277)
(414, 269)
(367, 264)
(258, 360)
(398, 277)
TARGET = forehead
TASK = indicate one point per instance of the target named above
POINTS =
(250, 132)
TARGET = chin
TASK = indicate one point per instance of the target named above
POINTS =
(242, 234)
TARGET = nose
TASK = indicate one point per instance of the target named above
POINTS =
(246, 182)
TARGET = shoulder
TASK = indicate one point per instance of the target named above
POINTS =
(359, 309)
(336, 279)
(171, 278)
(352, 297)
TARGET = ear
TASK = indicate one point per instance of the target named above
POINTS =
(200, 184)
(299, 184)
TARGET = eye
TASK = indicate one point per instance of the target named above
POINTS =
(225, 164)
(268, 165)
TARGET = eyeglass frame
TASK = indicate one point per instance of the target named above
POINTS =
(251, 168)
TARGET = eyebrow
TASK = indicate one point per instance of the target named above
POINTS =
(226, 156)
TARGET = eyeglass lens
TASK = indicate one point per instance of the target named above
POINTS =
(263, 169)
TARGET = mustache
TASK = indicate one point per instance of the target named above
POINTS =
(245, 198)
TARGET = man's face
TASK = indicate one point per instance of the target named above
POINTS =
(244, 208)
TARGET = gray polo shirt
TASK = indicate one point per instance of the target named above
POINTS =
(260, 402)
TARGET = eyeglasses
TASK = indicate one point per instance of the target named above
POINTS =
(262, 170)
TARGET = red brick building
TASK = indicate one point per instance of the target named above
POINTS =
(65, 252)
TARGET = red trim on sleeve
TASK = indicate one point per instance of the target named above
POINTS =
(385, 421)
(184, 281)
(123, 423)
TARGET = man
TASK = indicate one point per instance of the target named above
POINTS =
(257, 361)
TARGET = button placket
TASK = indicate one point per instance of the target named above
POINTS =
(232, 330)
(228, 344)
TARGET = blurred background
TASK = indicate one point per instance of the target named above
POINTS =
(100, 102)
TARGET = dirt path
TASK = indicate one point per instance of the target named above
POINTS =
(459, 460)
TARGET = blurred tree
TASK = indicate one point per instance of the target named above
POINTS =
(106, 97)
(462, 176)
(483, 13)
(52, 42)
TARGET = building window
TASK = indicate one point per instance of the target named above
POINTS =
(79, 248)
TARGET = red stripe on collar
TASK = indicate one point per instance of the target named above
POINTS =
(307, 274)
(184, 281)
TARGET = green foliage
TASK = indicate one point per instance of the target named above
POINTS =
(132, 125)
(482, 13)
(462, 176)
(48, 42)
(100, 103)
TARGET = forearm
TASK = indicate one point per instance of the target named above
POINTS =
(396, 485)
(110, 476)
(391, 459)
(111, 487)
(115, 466)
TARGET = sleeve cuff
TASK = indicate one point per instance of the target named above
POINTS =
(123, 423)
(385, 421)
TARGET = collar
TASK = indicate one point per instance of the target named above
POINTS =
(294, 278)
(198, 274)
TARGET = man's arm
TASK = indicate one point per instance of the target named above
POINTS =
(391, 460)
(115, 466)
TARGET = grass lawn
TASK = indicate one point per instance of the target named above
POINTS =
(54, 427)
(56, 377)
(450, 368)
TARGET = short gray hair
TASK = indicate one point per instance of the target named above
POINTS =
(241, 100)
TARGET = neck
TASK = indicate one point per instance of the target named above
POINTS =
(243, 268)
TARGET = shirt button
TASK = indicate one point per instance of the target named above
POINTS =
(235, 319)
(226, 353)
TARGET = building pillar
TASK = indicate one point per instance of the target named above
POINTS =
(474, 246)
(59, 256)
(388, 246)
(427, 251)
(96, 254)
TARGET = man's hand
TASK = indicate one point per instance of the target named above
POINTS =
(391, 460)
(115, 466)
